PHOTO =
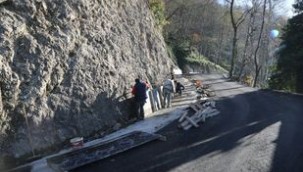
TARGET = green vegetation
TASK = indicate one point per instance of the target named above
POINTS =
(288, 74)
(187, 55)
(200, 35)
(197, 59)
(195, 32)
(158, 8)
(181, 50)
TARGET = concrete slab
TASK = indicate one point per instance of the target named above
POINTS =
(100, 151)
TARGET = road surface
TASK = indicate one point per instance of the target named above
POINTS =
(257, 130)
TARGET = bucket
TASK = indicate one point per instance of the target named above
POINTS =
(77, 142)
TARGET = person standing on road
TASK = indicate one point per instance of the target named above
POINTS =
(155, 92)
(168, 88)
(139, 91)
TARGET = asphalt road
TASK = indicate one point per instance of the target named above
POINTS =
(257, 130)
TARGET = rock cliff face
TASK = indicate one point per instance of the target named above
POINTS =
(66, 67)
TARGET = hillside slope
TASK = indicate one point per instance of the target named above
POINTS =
(66, 67)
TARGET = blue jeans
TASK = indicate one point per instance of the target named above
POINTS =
(167, 97)
(156, 99)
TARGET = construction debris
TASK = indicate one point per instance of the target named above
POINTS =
(204, 91)
(203, 109)
(86, 155)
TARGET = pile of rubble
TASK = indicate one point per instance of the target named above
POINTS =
(203, 90)
(203, 109)
(200, 110)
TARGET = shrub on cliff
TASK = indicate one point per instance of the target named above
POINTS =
(158, 8)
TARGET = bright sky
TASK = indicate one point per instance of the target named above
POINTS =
(284, 9)
(288, 7)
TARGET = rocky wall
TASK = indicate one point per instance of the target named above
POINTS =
(67, 66)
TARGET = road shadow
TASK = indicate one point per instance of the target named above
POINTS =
(242, 116)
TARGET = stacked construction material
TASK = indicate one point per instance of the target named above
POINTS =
(86, 155)
(203, 109)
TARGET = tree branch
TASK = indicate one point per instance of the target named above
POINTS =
(243, 16)
(173, 13)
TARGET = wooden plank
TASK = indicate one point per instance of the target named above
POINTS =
(199, 106)
(194, 107)
(198, 117)
(190, 120)
(187, 123)
(183, 116)
(187, 127)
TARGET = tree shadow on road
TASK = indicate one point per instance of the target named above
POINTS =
(242, 117)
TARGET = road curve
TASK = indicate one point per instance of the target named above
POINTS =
(257, 130)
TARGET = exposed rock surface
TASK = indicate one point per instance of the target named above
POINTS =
(66, 67)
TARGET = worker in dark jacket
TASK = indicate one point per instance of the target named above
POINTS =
(179, 88)
(139, 91)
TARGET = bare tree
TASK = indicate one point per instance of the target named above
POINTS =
(269, 44)
(249, 37)
(235, 24)
(244, 38)
(258, 66)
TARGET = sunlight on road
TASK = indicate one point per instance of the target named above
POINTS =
(257, 155)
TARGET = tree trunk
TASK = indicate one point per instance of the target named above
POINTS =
(242, 69)
(257, 66)
(234, 53)
(235, 25)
